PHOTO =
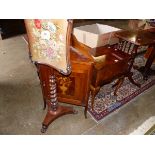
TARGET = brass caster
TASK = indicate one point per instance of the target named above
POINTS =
(44, 128)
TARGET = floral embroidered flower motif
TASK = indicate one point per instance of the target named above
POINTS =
(44, 26)
(37, 23)
(51, 27)
(49, 41)
(45, 35)
(43, 44)
(49, 52)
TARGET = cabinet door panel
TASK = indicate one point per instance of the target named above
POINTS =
(74, 89)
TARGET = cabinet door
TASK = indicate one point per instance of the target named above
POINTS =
(74, 89)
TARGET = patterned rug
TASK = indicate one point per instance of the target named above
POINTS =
(105, 101)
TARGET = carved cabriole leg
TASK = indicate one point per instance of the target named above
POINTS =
(147, 68)
(119, 83)
(132, 81)
(94, 91)
(85, 111)
(54, 110)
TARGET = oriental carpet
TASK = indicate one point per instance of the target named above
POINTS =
(105, 101)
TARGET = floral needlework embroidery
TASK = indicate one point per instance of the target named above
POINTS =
(48, 39)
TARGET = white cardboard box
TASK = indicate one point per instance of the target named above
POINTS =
(96, 35)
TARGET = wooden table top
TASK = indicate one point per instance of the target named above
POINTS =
(140, 37)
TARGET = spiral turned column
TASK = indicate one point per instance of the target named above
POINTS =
(53, 93)
(54, 110)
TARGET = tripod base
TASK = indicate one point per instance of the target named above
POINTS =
(52, 115)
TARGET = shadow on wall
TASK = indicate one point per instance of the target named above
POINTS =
(11, 27)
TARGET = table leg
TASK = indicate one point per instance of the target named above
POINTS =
(146, 70)
(48, 82)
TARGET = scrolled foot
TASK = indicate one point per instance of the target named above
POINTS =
(44, 128)
(132, 81)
